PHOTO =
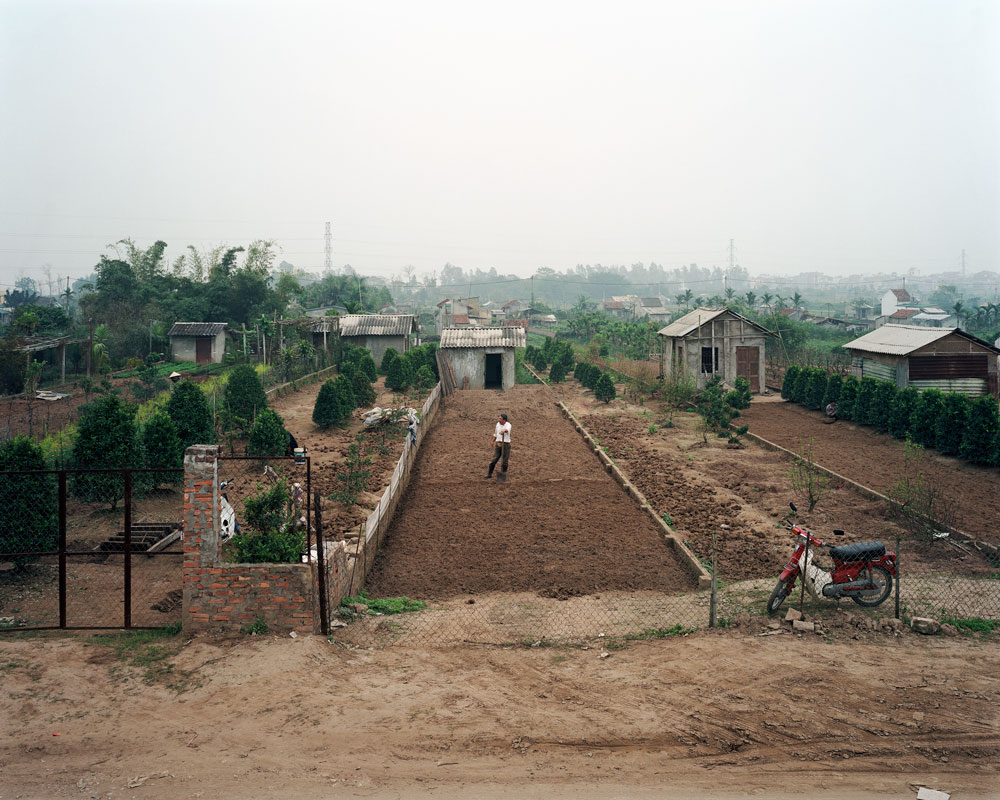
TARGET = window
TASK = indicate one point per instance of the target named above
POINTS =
(709, 360)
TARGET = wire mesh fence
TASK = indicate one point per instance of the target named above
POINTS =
(90, 548)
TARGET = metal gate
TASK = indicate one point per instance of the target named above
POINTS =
(90, 549)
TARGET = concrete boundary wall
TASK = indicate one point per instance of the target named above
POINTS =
(298, 383)
(683, 552)
(360, 548)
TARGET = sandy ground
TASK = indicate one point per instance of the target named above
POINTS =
(723, 714)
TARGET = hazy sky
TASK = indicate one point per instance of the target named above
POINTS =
(839, 136)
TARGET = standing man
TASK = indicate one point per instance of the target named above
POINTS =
(500, 442)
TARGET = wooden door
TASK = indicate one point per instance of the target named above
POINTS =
(748, 366)
(203, 349)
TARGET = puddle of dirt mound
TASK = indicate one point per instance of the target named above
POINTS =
(559, 526)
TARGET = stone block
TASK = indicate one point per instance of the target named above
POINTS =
(925, 625)
(948, 630)
(802, 625)
(792, 615)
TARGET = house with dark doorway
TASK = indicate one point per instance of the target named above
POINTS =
(378, 332)
(482, 358)
(201, 342)
(715, 341)
(948, 359)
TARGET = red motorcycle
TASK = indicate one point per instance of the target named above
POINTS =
(862, 571)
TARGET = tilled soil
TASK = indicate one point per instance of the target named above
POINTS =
(971, 493)
(560, 526)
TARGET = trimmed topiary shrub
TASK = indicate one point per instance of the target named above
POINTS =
(268, 436)
(106, 438)
(326, 411)
(188, 408)
(950, 425)
(833, 385)
(740, 396)
(367, 365)
(388, 357)
(162, 448)
(924, 425)
(243, 398)
(604, 388)
(364, 392)
(28, 503)
(883, 401)
(398, 377)
(901, 416)
(848, 397)
(788, 385)
(425, 378)
(815, 388)
(269, 537)
(558, 372)
(981, 439)
(863, 402)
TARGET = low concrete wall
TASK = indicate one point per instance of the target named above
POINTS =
(306, 380)
(353, 557)
(683, 552)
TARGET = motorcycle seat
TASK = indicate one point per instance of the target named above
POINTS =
(859, 551)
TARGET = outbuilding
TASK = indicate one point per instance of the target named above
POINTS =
(926, 358)
(482, 358)
(378, 332)
(715, 341)
(201, 342)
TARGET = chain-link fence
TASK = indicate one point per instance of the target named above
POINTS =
(90, 548)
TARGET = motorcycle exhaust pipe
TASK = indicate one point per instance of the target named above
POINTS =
(854, 587)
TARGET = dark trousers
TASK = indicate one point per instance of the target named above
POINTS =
(498, 453)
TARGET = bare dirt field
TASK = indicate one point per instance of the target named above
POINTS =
(710, 715)
(875, 460)
(560, 526)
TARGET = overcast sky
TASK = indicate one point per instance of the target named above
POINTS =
(838, 136)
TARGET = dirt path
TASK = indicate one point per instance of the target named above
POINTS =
(720, 715)
(971, 493)
(560, 526)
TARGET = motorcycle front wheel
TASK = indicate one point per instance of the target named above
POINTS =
(882, 579)
(781, 591)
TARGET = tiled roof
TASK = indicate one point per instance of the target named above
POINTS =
(507, 336)
(902, 295)
(197, 328)
(377, 324)
(904, 313)
(461, 319)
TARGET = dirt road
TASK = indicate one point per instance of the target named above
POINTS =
(722, 714)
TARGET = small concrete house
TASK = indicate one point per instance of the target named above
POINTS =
(709, 341)
(378, 332)
(482, 358)
(940, 358)
(201, 342)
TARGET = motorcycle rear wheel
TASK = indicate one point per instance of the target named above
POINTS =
(880, 577)
(781, 591)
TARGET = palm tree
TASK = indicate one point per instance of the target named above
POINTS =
(766, 299)
(730, 293)
(688, 297)
(797, 300)
(751, 298)
(780, 302)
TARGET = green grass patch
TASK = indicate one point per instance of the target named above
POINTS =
(150, 652)
(382, 605)
(973, 624)
(660, 633)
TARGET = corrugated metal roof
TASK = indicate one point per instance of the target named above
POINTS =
(508, 336)
(700, 316)
(197, 328)
(377, 324)
(898, 340)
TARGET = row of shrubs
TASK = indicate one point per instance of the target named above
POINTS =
(593, 377)
(555, 352)
(950, 422)
(416, 367)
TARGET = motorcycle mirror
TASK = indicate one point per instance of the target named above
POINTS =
(794, 509)
(837, 533)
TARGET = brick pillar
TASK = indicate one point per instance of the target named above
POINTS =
(201, 529)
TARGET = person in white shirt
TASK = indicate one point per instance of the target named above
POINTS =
(500, 442)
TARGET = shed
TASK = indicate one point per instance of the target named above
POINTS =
(483, 356)
(708, 341)
(940, 358)
(378, 332)
(202, 342)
